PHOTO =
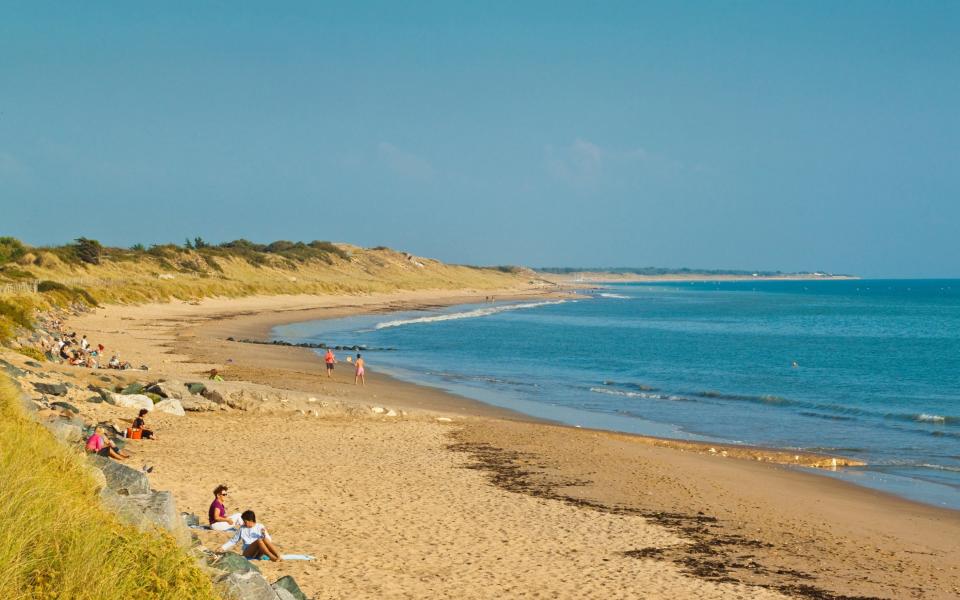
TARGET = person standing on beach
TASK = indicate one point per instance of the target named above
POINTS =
(358, 377)
(331, 359)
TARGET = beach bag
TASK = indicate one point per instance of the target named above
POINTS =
(134, 433)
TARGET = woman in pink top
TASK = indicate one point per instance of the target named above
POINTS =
(219, 521)
(98, 443)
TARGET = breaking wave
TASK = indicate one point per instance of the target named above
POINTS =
(470, 314)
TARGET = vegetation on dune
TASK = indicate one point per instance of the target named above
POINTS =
(55, 539)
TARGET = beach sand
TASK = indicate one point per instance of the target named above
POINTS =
(453, 498)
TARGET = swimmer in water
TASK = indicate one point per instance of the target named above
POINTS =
(795, 365)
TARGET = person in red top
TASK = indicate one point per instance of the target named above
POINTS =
(219, 521)
(330, 359)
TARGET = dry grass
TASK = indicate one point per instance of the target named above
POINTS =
(55, 539)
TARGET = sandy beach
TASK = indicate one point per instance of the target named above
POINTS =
(453, 498)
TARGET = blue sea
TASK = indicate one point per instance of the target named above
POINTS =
(868, 369)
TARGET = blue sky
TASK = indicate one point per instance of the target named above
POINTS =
(768, 135)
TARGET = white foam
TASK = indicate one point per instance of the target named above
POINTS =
(598, 390)
(931, 418)
(619, 296)
(470, 314)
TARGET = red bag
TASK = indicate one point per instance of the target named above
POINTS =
(134, 433)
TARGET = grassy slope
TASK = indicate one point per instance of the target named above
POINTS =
(55, 539)
(144, 277)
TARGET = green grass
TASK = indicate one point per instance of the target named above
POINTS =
(57, 542)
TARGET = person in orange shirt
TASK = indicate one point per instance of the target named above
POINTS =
(330, 359)
(358, 377)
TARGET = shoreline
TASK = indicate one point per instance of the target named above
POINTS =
(594, 471)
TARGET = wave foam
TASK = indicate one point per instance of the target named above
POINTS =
(618, 296)
(470, 314)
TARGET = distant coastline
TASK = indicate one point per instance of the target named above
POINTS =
(619, 276)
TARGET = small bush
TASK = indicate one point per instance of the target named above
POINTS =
(11, 249)
(88, 250)
(32, 353)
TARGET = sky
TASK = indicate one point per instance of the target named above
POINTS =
(755, 135)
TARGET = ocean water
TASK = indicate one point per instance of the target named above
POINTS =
(876, 373)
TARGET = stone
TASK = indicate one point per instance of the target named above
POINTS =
(167, 389)
(190, 519)
(214, 396)
(95, 399)
(231, 562)
(289, 585)
(283, 594)
(11, 370)
(65, 406)
(246, 586)
(104, 379)
(121, 479)
(65, 430)
(54, 389)
(137, 401)
(149, 510)
(34, 364)
(392, 413)
(378, 410)
(170, 406)
(195, 388)
(192, 405)
(133, 388)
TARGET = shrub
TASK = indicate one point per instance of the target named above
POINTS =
(11, 249)
(32, 353)
(88, 250)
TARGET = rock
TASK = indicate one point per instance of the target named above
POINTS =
(190, 519)
(65, 406)
(214, 396)
(167, 389)
(378, 410)
(68, 431)
(121, 479)
(133, 388)
(137, 401)
(171, 406)
(149, 510)
(34, 364)
(11, 370)
(54, 389)
(198, 405)
(195, 388)
(95, 399)
(283, 594)
(246, 586)
(104, 379)
(231, 562)
(289, 585)
(99, 479)
(391, 413)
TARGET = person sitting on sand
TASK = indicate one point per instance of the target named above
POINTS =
(219, 521)
(139, 423)
(98, 443)
(257, 543)
(330, 358)
(358, 376)
(215, 376)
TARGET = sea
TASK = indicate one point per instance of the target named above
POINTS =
(868, 369)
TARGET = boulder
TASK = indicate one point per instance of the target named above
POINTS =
(196, 387)
(189, 519)
(214, 396)
(133, 388)
(167, 389)
(54, 389)
(68, 431)
(95, 399)
(121, 479)
(192, 405)
(246, 586)
(149, 510)
(65, 406)
(171, 406)
(289, 585)
(11, 370)
(104, 379)
(137, 401)
(231, 562)
(283, 594)
(34, 364)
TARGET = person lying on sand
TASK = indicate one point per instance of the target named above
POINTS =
(98, 443)
(219, 521)
(256, 541)
(140, 424)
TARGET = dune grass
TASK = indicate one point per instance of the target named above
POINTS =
(57, 542)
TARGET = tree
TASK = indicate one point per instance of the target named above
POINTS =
(188, 244)
(88, 250)
(198, 243)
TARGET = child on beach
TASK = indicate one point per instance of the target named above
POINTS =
(98, 443)
(358, 376)
(140, 424)
(330, 358)
(219, 521)
(257, 543)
